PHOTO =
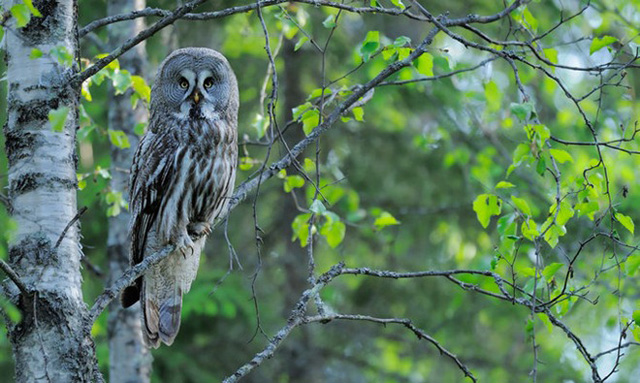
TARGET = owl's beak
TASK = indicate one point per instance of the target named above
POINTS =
(196, 96)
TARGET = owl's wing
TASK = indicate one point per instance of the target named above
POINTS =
(152, 172)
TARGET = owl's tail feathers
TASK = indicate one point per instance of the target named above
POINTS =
(131, 294)
(161, 320)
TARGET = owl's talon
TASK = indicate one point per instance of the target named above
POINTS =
(185, 243)
(199, 228)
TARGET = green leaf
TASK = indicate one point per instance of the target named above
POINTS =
(425, 64)
(82, 183)
(551, 270)
(245, 163)
(370, 45)
(330, 22)
(121, 81)
(22, 14)
(564, 214)
(626, 221)
(506, 225)
(403, 53)
(560, 155)
(551, 54)
(521, 205)
(58, 117)
(553, 234)
(310, 120)
(504, 185)
(521, 153)
(587, 208)
(601, 42)
(292, 182)
(116, 202)
(358, 113)
(119, 138)
(530, 20)
(333, 229)
(300, 110)
(632, 264)
(141, 88)
(388, 52)
(303, 39)
(529, 229)
(385, 219)
(300, 227)
(401, 41)
(398, 3)
(522, 111)
(318, 92)
(636, 317)
(140, 128)
(35, 53)
(317, 207)
(485, 206)
(34, 11)
(541, 166)
(84, 90)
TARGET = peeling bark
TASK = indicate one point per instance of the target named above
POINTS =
(49, 344)
(129, 359)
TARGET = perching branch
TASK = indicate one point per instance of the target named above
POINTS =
(125, 280)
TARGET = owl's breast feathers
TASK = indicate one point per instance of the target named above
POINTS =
(185, 174)
(182, 173)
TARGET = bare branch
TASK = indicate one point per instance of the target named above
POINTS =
(615, 349)
(296, 318)
(125, 280)
(421, 334)
(155, 12)
(579, 345)
(66, 228)
(167, 20)
(15, 278)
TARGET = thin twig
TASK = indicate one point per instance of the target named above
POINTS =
(66, 228)
(15, 278)
(421, 334)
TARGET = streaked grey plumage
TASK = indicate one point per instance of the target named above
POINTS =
(182, 176)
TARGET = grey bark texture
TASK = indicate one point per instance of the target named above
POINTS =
(49, 344)
(129, 358)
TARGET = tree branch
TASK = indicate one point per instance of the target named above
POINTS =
(156, 12)
(126, 280)
(15, 278)
(402, 321)
(78, 78)
(296, 318)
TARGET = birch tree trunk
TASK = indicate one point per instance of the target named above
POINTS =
(129, 358)
(49, 343)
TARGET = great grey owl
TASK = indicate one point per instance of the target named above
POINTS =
(182, 177)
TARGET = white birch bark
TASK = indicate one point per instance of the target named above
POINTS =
(129, 358)
(49, 343)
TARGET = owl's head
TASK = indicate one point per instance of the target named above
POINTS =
(195, 83)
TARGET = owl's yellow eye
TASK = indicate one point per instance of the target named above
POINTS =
(208, 83)
(184, 84)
